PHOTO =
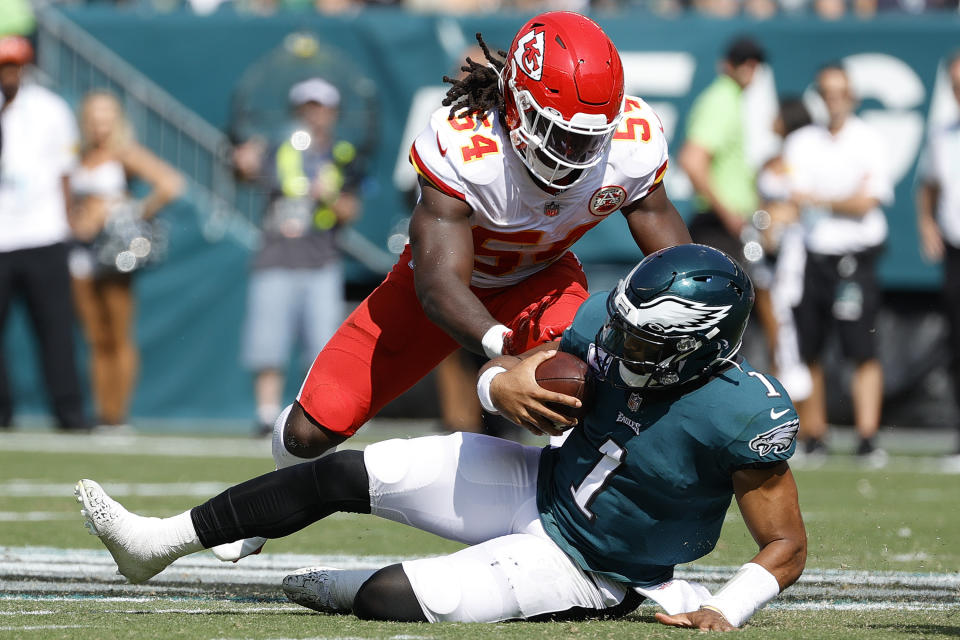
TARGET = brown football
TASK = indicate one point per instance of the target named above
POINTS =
(567, 374)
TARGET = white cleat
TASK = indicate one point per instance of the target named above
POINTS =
(127, 536)
(234, 551)
(325, 589)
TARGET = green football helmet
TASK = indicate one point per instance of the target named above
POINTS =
(675, 318)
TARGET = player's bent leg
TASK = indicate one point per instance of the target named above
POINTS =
(284, 501)
(142, 547)
(383, 348)
(515, 577)
(474, 488)
(388, 595)
(299, 438)
(325, 589)
(235, 551)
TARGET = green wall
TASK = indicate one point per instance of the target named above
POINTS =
(191, 308)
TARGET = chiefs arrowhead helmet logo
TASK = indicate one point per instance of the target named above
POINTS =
(529, 54)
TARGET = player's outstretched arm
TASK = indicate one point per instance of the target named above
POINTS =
(508, 384)
(442, 243)
(770, 508)
(655, 223)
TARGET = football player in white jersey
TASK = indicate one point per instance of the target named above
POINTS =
(534, 148)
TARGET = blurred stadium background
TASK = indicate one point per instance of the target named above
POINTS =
(196, 76)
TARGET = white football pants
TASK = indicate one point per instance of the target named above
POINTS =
(482, 491)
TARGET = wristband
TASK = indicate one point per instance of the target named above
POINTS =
(483, 389)
(492, 340)
(749, 590)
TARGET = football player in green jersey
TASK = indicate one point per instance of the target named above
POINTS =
(678, 425)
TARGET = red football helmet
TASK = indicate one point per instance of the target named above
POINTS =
(563, 92)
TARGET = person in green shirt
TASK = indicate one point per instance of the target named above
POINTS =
(714, 155)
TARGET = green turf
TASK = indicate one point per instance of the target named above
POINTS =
(134, 621)
(897, 519)
(856, 519)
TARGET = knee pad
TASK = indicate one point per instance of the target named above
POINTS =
(403, 486)
(281, 457)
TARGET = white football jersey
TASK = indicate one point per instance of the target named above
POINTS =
(518, 227)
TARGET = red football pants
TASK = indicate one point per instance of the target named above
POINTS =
(387, 344)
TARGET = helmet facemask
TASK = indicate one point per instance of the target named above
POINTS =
(646, 358)
(553, 147)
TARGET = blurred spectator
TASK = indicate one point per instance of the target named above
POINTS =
(297, 284)
(39, 142)
(938, 223)
(830, 9)
(16, 17)
(456, 377)
(783, 245)
(839, 179)
(108, 225)
(717, 8)
(760, 9)
(713, 155)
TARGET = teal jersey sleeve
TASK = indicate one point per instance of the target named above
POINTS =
(586, 323)
(769, 434)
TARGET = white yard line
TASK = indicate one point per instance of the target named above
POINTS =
(35, 516)
(43, 574)
(21, 488)
(165, 445)
(44, 627)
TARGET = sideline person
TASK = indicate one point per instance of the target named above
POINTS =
(39, 152)
(106, 220)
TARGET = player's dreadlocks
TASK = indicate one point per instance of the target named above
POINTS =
(479, 91)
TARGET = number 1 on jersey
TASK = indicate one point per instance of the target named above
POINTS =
(771, 390)
(598, 477)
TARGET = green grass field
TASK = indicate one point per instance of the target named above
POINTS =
(883, 561)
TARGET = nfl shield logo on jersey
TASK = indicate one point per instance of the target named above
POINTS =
(633, 402)
(551, 209)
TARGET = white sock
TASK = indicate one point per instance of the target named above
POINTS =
(178, 534)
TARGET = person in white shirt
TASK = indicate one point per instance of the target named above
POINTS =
(39, 143)
(840, 179)
(938, 223)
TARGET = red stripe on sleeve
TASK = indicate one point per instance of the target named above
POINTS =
(658, 177)
(422, 169)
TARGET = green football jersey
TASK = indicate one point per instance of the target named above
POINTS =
(644, 482)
